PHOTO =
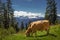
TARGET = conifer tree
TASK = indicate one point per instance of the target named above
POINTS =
(1, 13)
(22, 25)
(51, 13)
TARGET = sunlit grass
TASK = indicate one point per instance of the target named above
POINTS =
(21, 35)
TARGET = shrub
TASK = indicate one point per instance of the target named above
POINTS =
(11, 30)
(6, 32)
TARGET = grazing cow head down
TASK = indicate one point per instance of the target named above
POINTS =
(28, 32)
(38, 26)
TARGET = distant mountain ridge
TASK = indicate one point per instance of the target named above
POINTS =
(26, 19)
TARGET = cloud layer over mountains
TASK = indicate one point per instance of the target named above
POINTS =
(27, 14)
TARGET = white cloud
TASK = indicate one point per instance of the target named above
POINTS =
(28, 14)
(58, 14)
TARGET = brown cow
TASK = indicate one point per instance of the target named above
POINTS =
(38, 26)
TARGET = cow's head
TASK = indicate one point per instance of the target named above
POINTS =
(28, 32)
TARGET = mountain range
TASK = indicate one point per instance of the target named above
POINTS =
(26, 19)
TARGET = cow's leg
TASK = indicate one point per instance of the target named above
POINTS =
(35, 33)
(31, 34)
(47, 31)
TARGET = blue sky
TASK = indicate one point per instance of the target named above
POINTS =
(33, 6)
(30, 6)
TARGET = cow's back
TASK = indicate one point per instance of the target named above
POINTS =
(40, 25)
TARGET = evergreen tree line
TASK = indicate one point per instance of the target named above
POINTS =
(6, 15)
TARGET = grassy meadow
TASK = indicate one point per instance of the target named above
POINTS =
(54, 35)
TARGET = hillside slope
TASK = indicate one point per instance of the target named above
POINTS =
(54, 35)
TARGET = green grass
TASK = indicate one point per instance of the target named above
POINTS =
(54, 31)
